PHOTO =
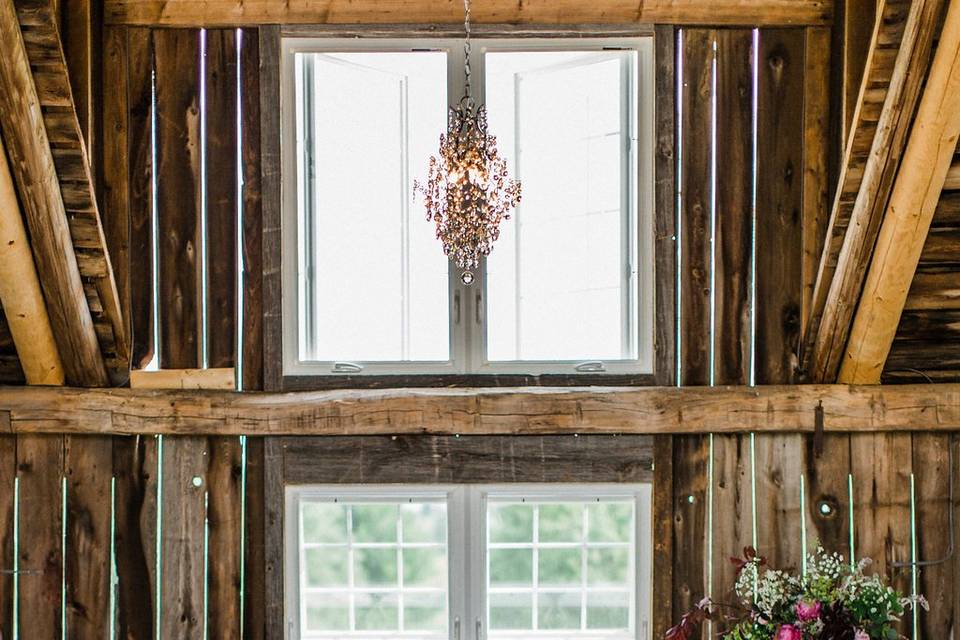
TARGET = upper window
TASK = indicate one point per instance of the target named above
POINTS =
(569, 285)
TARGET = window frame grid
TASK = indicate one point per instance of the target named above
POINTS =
(295, 581)
(466, 304)
(466, 523)
(583, 589)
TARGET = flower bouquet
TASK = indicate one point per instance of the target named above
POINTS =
(831, 601)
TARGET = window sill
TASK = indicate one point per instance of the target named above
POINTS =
(322, 383)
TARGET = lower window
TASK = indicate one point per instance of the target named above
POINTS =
(468, 562)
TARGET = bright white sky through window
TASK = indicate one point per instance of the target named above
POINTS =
(562, 279)
(567, 287)
(373, 279)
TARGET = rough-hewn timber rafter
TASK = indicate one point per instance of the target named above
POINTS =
(33, 167)
(907, 221)
(530, 410)
(211, 13)
(871, 161)
(20, 291)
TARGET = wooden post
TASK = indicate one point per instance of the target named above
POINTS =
(20, 291)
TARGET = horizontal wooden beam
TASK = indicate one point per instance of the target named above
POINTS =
(220, 13)
(223, 379)
(518, 411)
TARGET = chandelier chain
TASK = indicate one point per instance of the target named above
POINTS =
(466, 46)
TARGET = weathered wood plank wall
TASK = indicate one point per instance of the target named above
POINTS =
(743, 273)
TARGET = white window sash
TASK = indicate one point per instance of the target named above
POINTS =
(466, 506)
(466, 314)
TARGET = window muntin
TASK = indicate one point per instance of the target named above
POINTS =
(584, 306)
(522, 561)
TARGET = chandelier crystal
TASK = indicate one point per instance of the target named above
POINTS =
(468, 191)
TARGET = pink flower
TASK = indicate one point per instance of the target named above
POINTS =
(808, 611)
(788, 632)
(861, 635)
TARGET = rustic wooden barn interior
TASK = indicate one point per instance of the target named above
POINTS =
(801, 314)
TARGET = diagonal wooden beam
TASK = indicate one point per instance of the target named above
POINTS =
(20, 291)
(839, 285)
(906, 224)
(33, 167)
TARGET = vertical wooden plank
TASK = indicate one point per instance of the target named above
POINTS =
(733, 241)
(666, 336)
(224, 496)
(857, 30)
(80, 32)
(779, 202)
(938, 581)
(779, 460)
(690, 453)
(139, 150)
(114, 171)
(135, 519)
(255, 594)
(816, 147)
(88, 464)
(827, 470)
(184, 483)
(177, 64)
(252, 358)
(695, 205)
(8, 471)
(270, 188)
(222, 197)
(274, 509)
(733, 244)
(40, 469)
(224, 489)
(827, 494)
(881, 467)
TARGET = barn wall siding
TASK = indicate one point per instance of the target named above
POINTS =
(187, 525)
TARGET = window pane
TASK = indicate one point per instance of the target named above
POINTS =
(329, 612)
(361, 573)
(559, 611)
(511, 611)
(510, 523)
(372, 278)
(608, 610)
(565, 119)
(575, 574)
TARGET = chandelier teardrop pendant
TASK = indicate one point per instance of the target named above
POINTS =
(468, 192)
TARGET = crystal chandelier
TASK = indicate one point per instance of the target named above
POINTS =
(468, 192)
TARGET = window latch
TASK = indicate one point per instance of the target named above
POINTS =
(346, 367)
(591, 366)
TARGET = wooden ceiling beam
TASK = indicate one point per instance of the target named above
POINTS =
(840, 283)
(507, 411)
(906, 224)
(223, 13)
(20, 291)
(33, 167)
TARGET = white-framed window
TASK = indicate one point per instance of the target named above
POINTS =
(569, 285)
(459, 562)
